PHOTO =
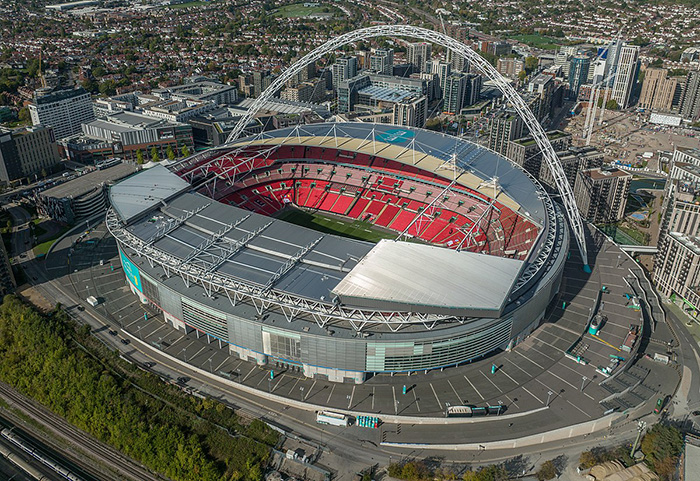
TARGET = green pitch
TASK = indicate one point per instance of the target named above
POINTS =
(354, 229)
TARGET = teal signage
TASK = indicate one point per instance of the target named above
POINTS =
(395, 136)
(131, 271)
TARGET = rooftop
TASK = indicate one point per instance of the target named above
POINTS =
(88, 182)
(602, 174)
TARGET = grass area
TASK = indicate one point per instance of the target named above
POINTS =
(355, 229)
(43, 248)
(624, 235)
(299, 10)
(540, 41)
(188, 4)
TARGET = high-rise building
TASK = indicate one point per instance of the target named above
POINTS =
(458, 62)
(677, 262)
(510, 67)
(455, 91)
(418, 54)
(344, 68)
(601, 194)
(260, 81)
(578, 74)
(27, 152)
(573, 160)
(658, 90)
(442, 70)
(473, 94)
(527, 153)
(411, 112)
(689, 107)
(503, 128)
(64, 110)
(382, 61)
(612, 58)
(625, 75)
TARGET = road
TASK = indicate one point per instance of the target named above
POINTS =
(345, 449)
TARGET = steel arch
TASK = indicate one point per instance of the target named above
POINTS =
(475, 59)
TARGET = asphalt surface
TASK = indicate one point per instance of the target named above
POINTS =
(557, 374)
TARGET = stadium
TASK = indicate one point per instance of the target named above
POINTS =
(344, 250)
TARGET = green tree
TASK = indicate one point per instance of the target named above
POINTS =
(169, 152)
(139, 157)
(23, 115)
(154, 155)
(522, 75)
(587, 460)
(661, 447)
(611, 104)
(185, 151)
(531, 64)
(547, 471)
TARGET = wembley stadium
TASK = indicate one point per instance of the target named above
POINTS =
(344, 250)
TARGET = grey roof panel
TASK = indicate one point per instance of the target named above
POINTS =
(403, 274)
(140, 193)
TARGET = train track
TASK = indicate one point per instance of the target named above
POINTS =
(122, 466)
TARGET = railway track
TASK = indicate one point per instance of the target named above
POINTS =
(122, 466)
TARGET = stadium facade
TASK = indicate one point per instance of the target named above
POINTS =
(473, 254)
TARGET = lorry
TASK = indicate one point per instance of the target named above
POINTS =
(333, 419)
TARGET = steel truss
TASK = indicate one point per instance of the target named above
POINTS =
(324, 313)
(475, 59)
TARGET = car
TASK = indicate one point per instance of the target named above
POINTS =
(23, 256)
(81, 308)
(125, 341)
(149, 364)
(183, 379)
(112, 332)
(695, 413)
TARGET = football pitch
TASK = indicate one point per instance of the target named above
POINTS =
(354, 229)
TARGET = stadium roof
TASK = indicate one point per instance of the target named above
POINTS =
(428, 150)
(402, 275)
(141, 193)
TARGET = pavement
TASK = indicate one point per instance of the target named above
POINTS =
(522, 382)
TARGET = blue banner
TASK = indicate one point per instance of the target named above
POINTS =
(131, 271)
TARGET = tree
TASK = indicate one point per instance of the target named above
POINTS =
(547, 471)
(531, 64)
(611, 104)
(139, 157)
(154, 155)
(23, 115)
(587, 459)
(522, 75)
(661, 447)
(43, 173)
(185, 151)
(169, 152)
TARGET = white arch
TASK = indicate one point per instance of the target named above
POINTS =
(485, 67)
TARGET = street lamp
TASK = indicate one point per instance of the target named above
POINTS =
(138, 328)
(211, 370)
(184, 351)
(549, 395)
(583, 381)
(618, 260)
(500, 407)
(301, 389)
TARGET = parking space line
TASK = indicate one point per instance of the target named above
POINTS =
(528, 391)
(489, 380)
(310, 390)
(278, 382)
(512, 401)
(574, 405)
(373, 396)
(198, 352)
(414, 397)
(352, 395)
(459, 398)
(222, 363)
(331, 393)
(161, 326)
(508, 375)
(525, 357)
(474, 388)
(249, 373)
(393, 391)
(436, 396)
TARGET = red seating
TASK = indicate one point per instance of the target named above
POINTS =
(387, 215)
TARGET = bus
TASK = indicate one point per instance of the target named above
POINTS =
(459, 411)
(334, 419)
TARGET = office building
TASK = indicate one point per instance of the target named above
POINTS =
(503, 128)
(625, 75)
(499, 48)
(689, 107)
(343, 69)
(411, 112)
(382, 61)
(601, 194)
(578, 74)
(418, 54)
(527, 153)
(27, 153)
(64, 110)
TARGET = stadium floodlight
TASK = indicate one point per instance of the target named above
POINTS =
(459, 48)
